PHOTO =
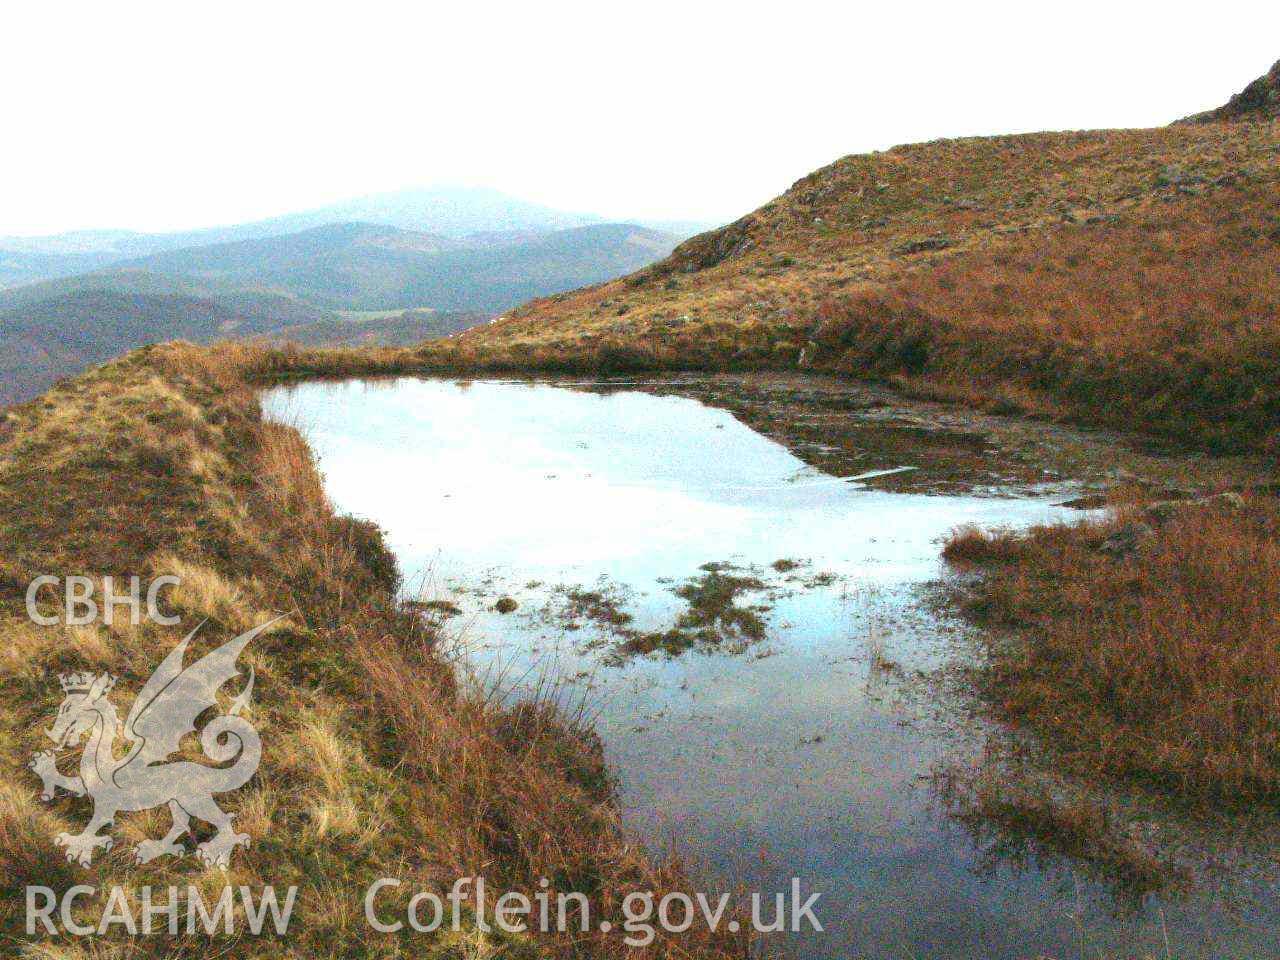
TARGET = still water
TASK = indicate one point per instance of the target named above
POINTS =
(800, 747)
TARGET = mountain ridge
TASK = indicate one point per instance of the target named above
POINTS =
(298, 285)
(452, 213)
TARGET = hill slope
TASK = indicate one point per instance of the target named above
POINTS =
(1130, 277)
(51, 339)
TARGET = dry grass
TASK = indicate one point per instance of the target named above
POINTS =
(375, 763)
(1168, 329)
(1162, 665)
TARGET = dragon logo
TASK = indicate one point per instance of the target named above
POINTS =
(165, 711)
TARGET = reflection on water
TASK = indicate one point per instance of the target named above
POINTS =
(803, 754)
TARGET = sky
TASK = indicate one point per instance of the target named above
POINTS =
(167, 116)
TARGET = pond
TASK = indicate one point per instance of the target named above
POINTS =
(756, 639)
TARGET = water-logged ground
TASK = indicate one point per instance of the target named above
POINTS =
(785, 723)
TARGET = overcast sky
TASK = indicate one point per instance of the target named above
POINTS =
(160, 116)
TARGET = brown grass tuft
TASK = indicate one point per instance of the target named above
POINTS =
(1160, 663)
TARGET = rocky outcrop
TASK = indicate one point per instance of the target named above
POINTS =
(709, 249)
(1258, 101)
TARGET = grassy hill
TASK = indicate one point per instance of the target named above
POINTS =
(1127, 277)
(1258, 101)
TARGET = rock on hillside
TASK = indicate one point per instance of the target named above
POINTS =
(1260, 100)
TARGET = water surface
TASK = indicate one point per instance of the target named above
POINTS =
(805, 752)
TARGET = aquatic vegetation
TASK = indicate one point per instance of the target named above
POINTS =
(1018, 818)
(713, 619)
(444, 608)
(602, 607)
(714, 611)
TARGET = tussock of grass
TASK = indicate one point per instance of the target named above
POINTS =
(972, 546)
(1161, 664)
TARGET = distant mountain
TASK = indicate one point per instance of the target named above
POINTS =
(297, 286)
(363, 266)
(454, 213)
(430, 262)
(18, 267)
(448, 211)
(110, 242)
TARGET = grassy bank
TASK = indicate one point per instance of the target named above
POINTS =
(1143, 648)
(1129, 324)
(376, 762)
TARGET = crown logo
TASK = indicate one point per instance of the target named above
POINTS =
(76, 682)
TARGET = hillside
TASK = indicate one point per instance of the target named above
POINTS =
(1127, 277)
(56, 337)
